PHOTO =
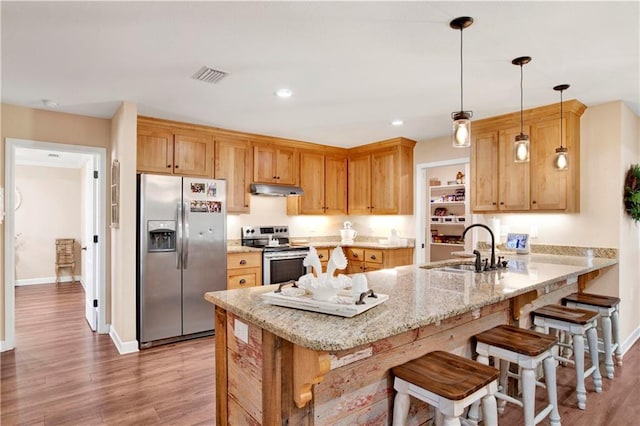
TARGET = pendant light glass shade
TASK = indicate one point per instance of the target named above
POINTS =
(561, 161)
(521, 146)
(461, 130)
(461, 135)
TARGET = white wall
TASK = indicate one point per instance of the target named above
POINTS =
(273, 211)
(51, 208)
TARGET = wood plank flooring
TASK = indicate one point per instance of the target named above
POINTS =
(61, 373)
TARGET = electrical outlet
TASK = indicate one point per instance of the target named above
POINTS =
(241, 330)
(533, 232)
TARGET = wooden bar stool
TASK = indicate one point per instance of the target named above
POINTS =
(65, 257)
(528, 349)
(577, 322)
(447, 382)
(607, 307)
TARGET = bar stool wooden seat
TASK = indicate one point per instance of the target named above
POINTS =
(447, 382)
(528, 349)
(577, 322)
(607, 307)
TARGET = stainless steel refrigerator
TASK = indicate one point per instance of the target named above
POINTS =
(182, 254)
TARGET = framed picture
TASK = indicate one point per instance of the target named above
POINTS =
(115, 194)
(518, 242)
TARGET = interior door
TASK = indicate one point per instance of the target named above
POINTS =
(89, 252)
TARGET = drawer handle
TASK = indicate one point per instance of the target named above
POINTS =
(373, 257)
(243, 281)
(243, 262)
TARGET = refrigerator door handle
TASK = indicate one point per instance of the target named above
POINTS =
(180, 218)
(186, 234)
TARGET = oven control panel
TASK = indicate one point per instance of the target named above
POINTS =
(253, 232)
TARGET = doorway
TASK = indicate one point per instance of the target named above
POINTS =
(92, 164)
(444, 172)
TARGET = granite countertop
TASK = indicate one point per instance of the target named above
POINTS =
(242, 249)
(418, 296)
(364, 244)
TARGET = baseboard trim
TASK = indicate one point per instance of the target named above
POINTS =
(629, 342)
(123, 347)
(4, 347)
(45, 280)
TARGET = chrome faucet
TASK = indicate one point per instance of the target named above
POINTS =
(493, 242)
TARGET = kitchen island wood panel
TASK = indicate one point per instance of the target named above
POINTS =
(429, 309)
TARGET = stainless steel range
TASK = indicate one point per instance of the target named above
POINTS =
(281, 262)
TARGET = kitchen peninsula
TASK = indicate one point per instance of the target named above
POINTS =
(314, 368)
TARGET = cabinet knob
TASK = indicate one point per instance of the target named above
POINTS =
(243, 262)
(278, 177)
(355, 255)
(320, 256)
(168, 166)
(243, 281)
(533, 202)
(275, 177)
(493, 204)
(502, 203)
(373, 257)
(177, 166)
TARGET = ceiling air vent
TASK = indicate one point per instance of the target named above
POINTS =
(209, 75)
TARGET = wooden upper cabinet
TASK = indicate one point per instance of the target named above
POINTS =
(513, 178)
(275, 164)
(163, 150)
(498, 184)
(323, 179)
(484, 170)
(155, 150)
(233, 162)
(359, 184)
(381, 178)
(192, 155)
(335, 183)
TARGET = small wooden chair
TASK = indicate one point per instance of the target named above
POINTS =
(65, 257)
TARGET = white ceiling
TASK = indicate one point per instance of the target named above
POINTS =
(353, 66)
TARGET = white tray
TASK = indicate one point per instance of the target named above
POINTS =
(344, 305)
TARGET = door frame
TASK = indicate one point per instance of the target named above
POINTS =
(422, 203)
(100, 155)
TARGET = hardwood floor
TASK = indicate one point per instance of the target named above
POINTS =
(61, 373)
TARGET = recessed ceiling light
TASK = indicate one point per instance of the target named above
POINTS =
(51, 154)
(397, 123)
(284, 93)
(49, 103)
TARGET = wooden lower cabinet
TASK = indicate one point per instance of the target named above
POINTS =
(244, 270)
(370, 259)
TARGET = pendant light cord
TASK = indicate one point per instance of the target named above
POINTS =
(521, 101)
(561, 118)
(461, 74)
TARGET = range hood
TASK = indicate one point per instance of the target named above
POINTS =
(275, 190)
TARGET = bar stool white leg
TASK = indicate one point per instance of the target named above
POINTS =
(592, 339)
(616, 335)
(529, 395)
(578, 358)
(489, 410)
(502, 382)
(451, 421)
(401, 403)
(549, 365)
(606, 338)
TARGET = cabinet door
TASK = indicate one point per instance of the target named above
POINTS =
(233, 163)
(549, 186)
(154, 151)
(384, 182)
(264, 163)
(513, 177)
(484, 172)
(286, 166)
(335, 185)
(193, 155)
(359, 184)
(312, 178)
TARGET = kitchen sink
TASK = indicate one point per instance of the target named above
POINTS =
(465, 267)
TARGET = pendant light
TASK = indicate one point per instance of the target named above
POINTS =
(461, 137)
(561, 160)
(521, 144)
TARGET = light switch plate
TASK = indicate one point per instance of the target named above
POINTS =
(241, 330)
